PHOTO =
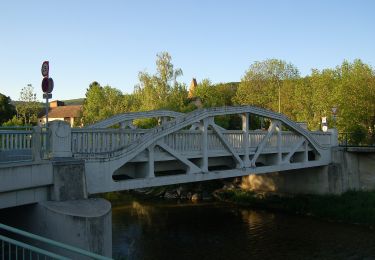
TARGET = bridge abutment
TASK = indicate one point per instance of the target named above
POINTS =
(348, 171)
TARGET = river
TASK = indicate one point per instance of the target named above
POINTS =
(172, 230)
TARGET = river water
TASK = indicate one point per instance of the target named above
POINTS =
(172, 230)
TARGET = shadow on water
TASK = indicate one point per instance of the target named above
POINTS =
(171, 230)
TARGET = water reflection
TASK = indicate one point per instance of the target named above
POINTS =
(142, 212)
(143, 230)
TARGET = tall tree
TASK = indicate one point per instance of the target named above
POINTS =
(263, 83)
(28, 107)
(161, 90)
(101, 102)
(7, 110)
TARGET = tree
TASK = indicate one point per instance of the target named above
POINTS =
(94, 109)
(263, 82)
(28, 107)
(161, 90)
(7, 110)
(355, 99)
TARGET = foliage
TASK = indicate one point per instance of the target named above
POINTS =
(102, 102)
(261, 84)
(349, 87)
(7, 110)
(28, 108)
(161, 90)
(15, 121)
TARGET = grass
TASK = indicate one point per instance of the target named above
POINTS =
(350, 207)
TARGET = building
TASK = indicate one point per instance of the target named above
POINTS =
(59, 111)
(193, 86)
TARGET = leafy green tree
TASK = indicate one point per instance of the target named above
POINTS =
(7, 110)
(355, 99)
(28, 108)
(263, 84)
(94, 101)
(101, 103)
(161, 90)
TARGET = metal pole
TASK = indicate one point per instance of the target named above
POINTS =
(46, 109)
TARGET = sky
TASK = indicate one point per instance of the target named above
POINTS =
(112, 41)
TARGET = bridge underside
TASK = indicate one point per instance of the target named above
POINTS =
(172, 177)
(163, 166)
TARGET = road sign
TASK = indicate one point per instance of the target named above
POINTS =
(47, 95)
(45, 69)
(47, 85)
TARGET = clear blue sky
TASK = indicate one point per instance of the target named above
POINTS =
(111, 41)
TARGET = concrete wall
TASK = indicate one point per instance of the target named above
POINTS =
(348, 171)
(86, 224)
(24, 183)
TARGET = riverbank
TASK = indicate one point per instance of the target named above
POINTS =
(357, 207)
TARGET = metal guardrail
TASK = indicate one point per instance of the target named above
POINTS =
(356, 139)
(14, 249)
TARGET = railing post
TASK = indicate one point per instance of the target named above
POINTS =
(36, 143)
(246, 144)
(60, 141)
(151, 161)
(204, 130)
(334, 137)
(279, 155)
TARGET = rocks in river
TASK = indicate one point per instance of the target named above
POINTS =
(171, 195)
(196, 197)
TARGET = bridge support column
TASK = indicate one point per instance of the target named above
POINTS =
(151, 162)
(246, 143)
(279, 154)
(204, 129)
(86, 224)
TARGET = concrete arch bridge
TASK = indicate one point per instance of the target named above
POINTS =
(192, 147)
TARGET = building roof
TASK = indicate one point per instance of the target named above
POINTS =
(64, 111)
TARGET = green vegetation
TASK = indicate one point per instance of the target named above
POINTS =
(272, 84)
(350, 207)
(23, 112)
(7, 110)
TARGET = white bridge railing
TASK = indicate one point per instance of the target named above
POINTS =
(98, 141)
(91, 140)
(22, 145)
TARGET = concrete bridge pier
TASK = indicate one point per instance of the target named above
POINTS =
(86, 224)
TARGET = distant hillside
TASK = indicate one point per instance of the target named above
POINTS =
(70, 102)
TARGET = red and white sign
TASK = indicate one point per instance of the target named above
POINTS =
(45, 69)
(47, 85)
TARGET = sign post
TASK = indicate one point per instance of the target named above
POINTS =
(47, 86)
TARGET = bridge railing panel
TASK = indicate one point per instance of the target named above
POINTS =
(234, 138)
(91, 141)
(323, 138)
(15, 145)
(186, 140)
